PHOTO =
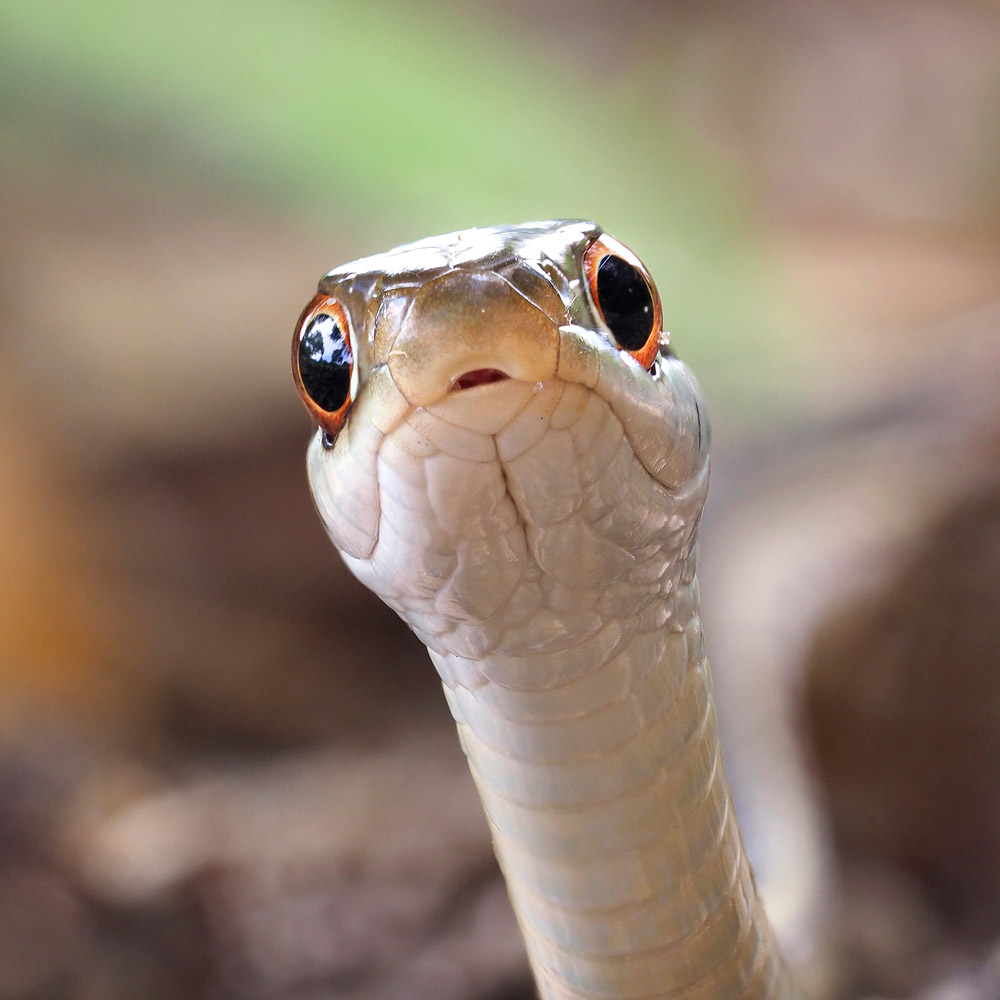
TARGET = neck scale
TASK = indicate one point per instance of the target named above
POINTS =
(611, 815)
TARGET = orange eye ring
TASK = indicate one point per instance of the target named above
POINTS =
(631, 307)
(323, 363)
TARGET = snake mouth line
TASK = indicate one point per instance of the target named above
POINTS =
(478, 376)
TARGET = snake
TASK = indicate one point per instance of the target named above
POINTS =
(510, 455)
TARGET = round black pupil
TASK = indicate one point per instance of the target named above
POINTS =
(626, 302)
(325, 363)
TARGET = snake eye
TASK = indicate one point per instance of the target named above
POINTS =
(323, 363)
(626, 298)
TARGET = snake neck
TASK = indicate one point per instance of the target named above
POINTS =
(601, 776)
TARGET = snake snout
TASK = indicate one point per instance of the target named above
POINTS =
(467, 329)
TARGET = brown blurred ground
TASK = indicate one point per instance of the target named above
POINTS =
(226, 772)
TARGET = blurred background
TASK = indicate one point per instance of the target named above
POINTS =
(227, 772)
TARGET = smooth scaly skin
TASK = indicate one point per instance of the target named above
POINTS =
(537, 534)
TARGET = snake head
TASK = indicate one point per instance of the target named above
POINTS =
(495, 402)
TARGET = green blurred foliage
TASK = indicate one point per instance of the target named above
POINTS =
(389, 121)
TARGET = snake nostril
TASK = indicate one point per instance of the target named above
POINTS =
(479, 376)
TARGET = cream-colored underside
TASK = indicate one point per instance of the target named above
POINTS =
(580, 687)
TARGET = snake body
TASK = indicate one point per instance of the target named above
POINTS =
(524, 490)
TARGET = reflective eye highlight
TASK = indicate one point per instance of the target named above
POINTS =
(323, 362)
(626, 298)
